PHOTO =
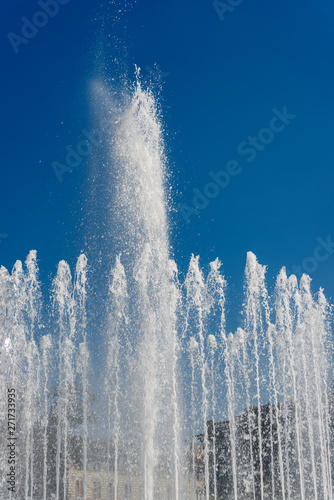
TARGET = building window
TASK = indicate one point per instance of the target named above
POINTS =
(97, 491)
(78, 489)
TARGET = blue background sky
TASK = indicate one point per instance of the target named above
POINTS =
(221, 81)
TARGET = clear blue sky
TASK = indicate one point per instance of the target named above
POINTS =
(222, 80)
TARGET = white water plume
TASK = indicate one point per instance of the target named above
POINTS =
(186, 409)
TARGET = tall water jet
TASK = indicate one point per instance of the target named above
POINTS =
(80, 298)
(256, 301)
(193, 349)
(64, 304)
(46, 349)
(138, 153)
(32, 298)
(212, 343)
(118, 323)
(196, 306)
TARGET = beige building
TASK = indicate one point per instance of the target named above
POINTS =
(130, 485)
(101, 486)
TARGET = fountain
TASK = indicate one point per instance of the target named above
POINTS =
(176, 407)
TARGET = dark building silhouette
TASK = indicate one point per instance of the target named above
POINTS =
(264, 445)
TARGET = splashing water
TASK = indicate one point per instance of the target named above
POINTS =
(184, 409)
